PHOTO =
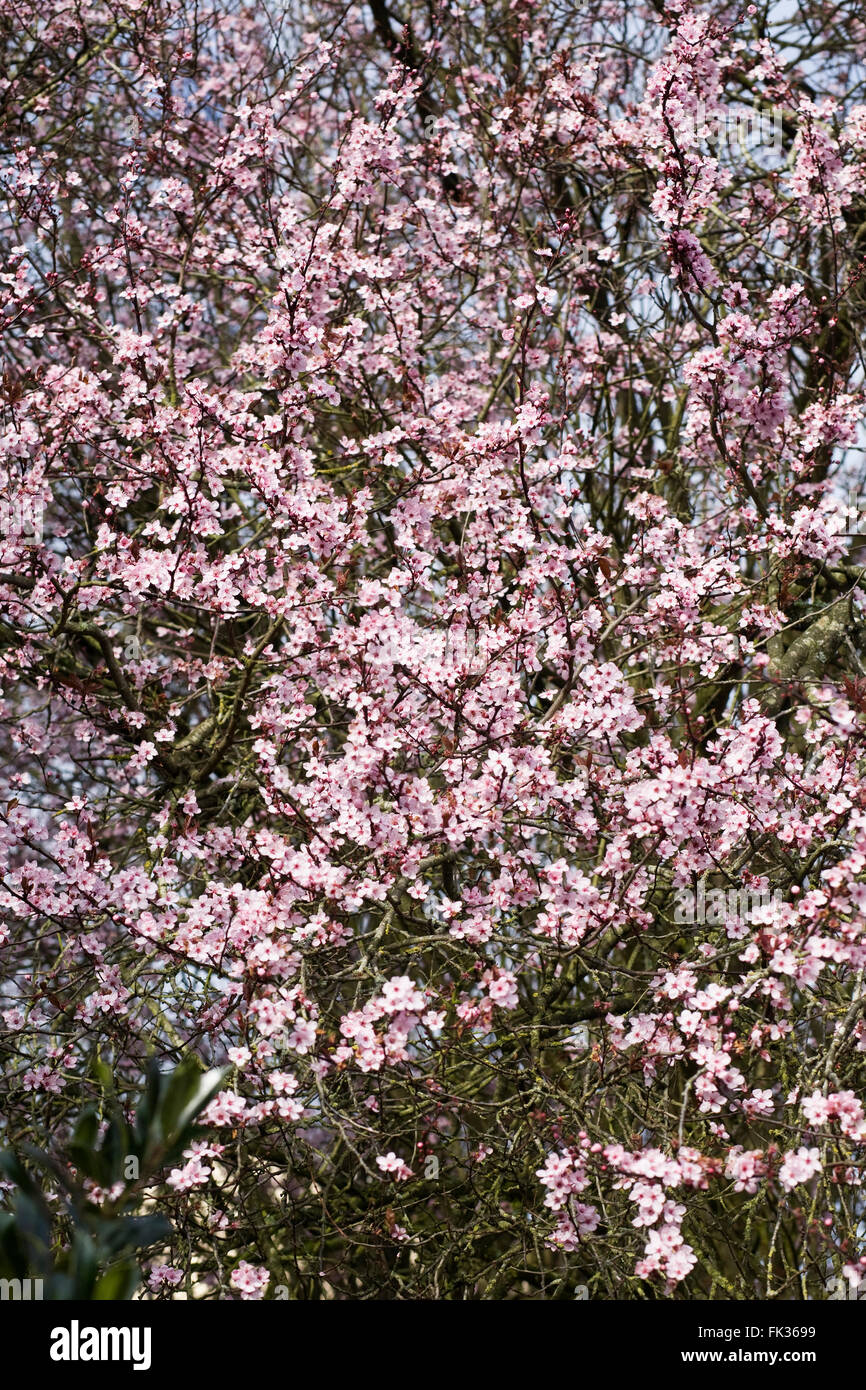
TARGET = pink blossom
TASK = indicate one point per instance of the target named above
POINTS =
(250, 1280)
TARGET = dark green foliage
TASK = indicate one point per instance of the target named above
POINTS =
(55, 1231)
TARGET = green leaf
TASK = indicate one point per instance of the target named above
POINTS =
(133, 1232)
(202, 1093)
(83, 1151)
(119, 1282)
(102, 1075)
(87, 1128)
(180, 1090)
(14, 1169)
(148, 1131)
(13, 1258)
(83, 1263)
(119, 1142)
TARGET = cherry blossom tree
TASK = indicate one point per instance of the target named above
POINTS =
(432, 638)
